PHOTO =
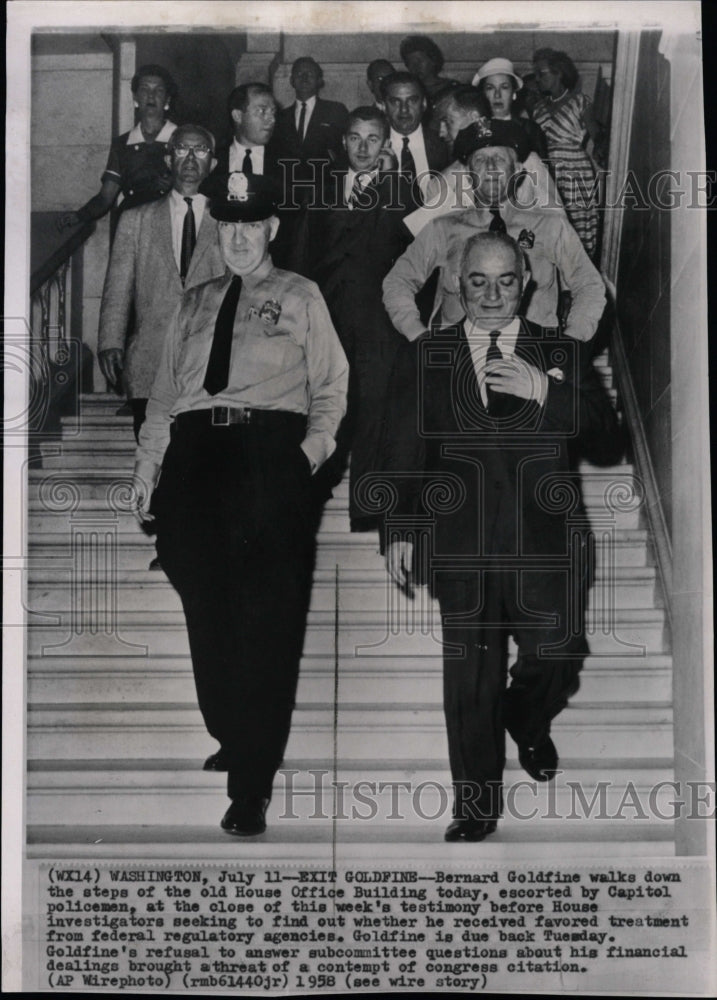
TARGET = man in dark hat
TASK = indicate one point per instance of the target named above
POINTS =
(244, 409)
(494, 154)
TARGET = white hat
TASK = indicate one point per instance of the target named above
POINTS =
(494, 66)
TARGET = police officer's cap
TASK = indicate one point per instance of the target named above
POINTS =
(238, 197)
(495, 132)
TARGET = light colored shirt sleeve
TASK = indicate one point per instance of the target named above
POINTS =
(408, 276)
(328, 376)
(582, 280)
(154, 433)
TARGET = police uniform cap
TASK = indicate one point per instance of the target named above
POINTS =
(238, 197)
(496, 132)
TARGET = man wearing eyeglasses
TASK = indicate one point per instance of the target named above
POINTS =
(161, 249)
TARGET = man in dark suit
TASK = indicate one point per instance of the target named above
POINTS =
(252, 109)
(484, 414)
(310, 130)
(352, 243)
(417, 149)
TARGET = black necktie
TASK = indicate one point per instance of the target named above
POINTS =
(217, 374)
(189, 239)
(494, 353)
(302, 121)
(497, 223)
(408, 164)
(247, 166)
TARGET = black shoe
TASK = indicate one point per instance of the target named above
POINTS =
(470, 829)
(541, 761)
(245, 816)
(216, 762)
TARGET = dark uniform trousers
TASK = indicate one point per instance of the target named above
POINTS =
(236, 537)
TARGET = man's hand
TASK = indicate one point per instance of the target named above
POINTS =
(517, 377)
(112, 365)
(399, 563)
(387, 159)
(144, 478)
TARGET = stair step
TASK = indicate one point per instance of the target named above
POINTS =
(179, 795)
(627, 587)
(399, 679)
(176, 730)
(331, 843)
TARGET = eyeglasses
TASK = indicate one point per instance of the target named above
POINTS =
(201, 151)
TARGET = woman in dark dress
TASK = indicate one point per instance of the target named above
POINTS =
(136, 166)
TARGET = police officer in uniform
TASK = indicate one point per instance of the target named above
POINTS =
(243, 411)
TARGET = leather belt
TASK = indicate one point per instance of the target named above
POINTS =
(230, 416)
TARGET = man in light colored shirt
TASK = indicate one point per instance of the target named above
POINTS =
(248, 397)
(557, 258)
(417, 150)
(452, 190)
(489, 410)
(147, 274)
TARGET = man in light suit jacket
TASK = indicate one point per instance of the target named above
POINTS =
(158, 253)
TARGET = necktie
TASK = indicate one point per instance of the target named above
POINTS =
(494, 353)
(497, 223)
(408, 164)
(247, 166)
(216, 377)
(355, 192)
(189, 239)
(302, 121)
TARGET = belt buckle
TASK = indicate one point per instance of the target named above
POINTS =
(245, 416)
(220, 416)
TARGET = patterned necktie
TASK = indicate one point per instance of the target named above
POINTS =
(497, 223)
(247, 167)
(355, 192)
(494, 353)
(216, 377)
(408, 164)
(189, 240)
(302, 121)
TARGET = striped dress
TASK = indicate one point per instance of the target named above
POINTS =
(565, 130)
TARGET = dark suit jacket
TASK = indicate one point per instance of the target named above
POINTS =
(482, 488)
(436, 150)
(322, 140)
(271, 165)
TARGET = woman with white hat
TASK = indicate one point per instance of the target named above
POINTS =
(500, 83)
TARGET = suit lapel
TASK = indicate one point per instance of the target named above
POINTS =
(162, 238)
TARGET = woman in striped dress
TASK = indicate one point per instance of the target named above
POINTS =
(566, 119)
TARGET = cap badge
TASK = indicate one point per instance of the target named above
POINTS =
(238, 187)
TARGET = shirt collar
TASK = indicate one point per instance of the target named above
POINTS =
(178, 199)
(397, 138)
(367, 177)
(506, 340)
(135, 135)
(310, 105)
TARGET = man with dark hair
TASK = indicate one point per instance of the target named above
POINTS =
(309, 130)
(483, 415)
(252, 110)
(418, 150)
(353, 242)
(248, 395)
(375, 73)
